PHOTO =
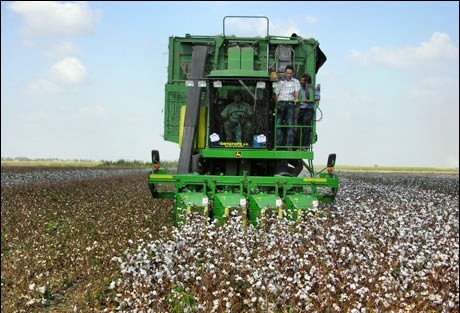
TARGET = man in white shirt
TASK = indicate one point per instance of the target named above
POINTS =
(286, 97)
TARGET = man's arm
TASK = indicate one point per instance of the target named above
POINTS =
(296, 92)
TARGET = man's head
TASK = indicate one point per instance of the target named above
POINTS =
(289, 71)
(305, 79)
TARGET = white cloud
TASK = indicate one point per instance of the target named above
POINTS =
(246, 27)
(437, 49)
(284, 28)
(257, 26)
(62, 76)
(62, 49)
(69, 71)
(55, 18)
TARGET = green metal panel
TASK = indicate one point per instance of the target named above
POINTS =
(247, 58)
(224, 203)
(256, 154)
(234, 58)
(239, 73)
(190, 203)
(260, 202)
(296, 203)
(211, 181)
(260, 193)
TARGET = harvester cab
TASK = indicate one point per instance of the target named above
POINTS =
(220, 107)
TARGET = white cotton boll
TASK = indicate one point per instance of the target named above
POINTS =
(297, 277)
(272, 288)
(437, 299)
(303, 296)
(116, 259)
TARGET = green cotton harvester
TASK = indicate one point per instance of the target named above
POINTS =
(219, 175)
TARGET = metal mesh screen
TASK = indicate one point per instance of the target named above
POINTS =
(176, 96)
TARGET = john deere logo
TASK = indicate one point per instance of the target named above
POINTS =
(238, 154)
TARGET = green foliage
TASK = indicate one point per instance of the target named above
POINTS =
(181, 301)
(22, 161)
(124, 164)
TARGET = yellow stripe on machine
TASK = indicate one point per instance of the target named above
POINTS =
(161, 176)
(315, 180)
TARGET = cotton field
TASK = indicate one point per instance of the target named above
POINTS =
(390, 243)
(95, 241)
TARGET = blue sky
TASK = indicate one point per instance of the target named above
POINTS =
(85, 80)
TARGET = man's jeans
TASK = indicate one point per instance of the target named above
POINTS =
(285, 116)
(305, 119)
